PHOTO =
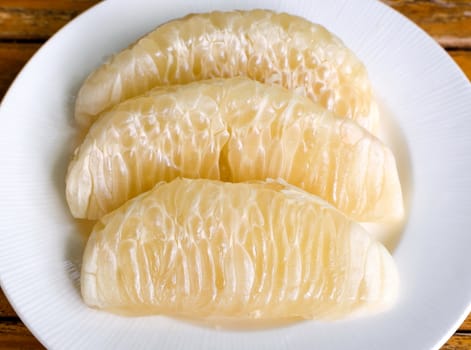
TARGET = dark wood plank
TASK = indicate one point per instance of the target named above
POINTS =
(448, 21)
(14, 335)
(37, 19)
(13, 57)
(5, 308)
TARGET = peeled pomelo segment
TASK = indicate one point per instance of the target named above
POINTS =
(327, 156)
(214, 250)
(276, 48)
(143, 141)
(234, 130)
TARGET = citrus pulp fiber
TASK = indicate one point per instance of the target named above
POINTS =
(275, 48)
(234, 130)
(210, 249)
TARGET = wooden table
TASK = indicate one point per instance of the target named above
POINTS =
(25, 25)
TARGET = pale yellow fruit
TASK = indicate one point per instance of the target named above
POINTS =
(263, 45)
(233, 130)
(214, 250)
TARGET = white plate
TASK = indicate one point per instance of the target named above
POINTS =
(419, 86)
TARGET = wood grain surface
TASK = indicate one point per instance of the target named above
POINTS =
(38, 19)
(14, 335)
(463, 58)
(13, 57)
(448, 21)
(6, 311)
(25, 25)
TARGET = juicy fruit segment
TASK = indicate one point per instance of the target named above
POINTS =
(208, 249)
(233, 130)
(263, 45)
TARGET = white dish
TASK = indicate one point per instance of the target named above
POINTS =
(419, 85)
